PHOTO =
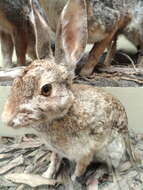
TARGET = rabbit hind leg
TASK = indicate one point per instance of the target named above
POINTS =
(99, 47)
(81, 167)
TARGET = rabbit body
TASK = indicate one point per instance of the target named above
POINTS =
(16, 30)
(79, 122)
(90, 128)
(102, 16)
(76, 121)
(103, 26)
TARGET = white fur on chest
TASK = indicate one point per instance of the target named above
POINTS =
(74, 150)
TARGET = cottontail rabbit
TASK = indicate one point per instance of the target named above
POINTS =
(76, 121)
(16, 30)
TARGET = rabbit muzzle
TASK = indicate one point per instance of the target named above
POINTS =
(22, 120)
(23, 116)
(35, 112)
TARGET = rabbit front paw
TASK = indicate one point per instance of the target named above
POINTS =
(80, 169)
(53, 168)
(73, 177)
(79, 179)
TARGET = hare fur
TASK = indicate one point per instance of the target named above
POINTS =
(16, 30)
(76, 121)
(102, 19)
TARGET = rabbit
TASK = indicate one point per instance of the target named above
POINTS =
(17, 31)
(53, 9)
(103, 26)
(132, 30)
(79, 122)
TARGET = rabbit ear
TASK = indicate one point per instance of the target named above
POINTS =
(71, 37)
(42, 32)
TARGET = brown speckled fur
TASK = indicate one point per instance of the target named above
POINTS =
(102, 18)
(16, 31)
(102, 14)
(76, 121)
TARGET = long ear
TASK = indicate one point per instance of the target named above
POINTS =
(42, 32)
(71, 37)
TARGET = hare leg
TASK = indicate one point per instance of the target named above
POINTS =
(94, 56)
(6, 49)
(81, 167)
(20, 41)
(53, 166)
(111, 52)
(99, 47)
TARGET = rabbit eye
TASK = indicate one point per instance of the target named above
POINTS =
(46, 90)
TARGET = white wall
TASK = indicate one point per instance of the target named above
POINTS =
(132, 99)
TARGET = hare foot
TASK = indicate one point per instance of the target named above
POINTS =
(53, 166)
(80, 169)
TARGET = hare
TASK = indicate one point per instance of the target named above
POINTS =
(79, 122)
(106, 13)
(103, 26)
(16, 30)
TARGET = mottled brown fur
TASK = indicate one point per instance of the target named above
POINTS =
(16, 30)
(74, 117)
(102, 19)
(76, 121)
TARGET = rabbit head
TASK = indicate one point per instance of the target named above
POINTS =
(43, 89)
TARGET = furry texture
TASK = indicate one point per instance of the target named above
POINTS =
(102, 16)
(79, 122)
(16, 30)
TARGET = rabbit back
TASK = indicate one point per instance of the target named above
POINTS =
(95, 122)
(103, 15)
